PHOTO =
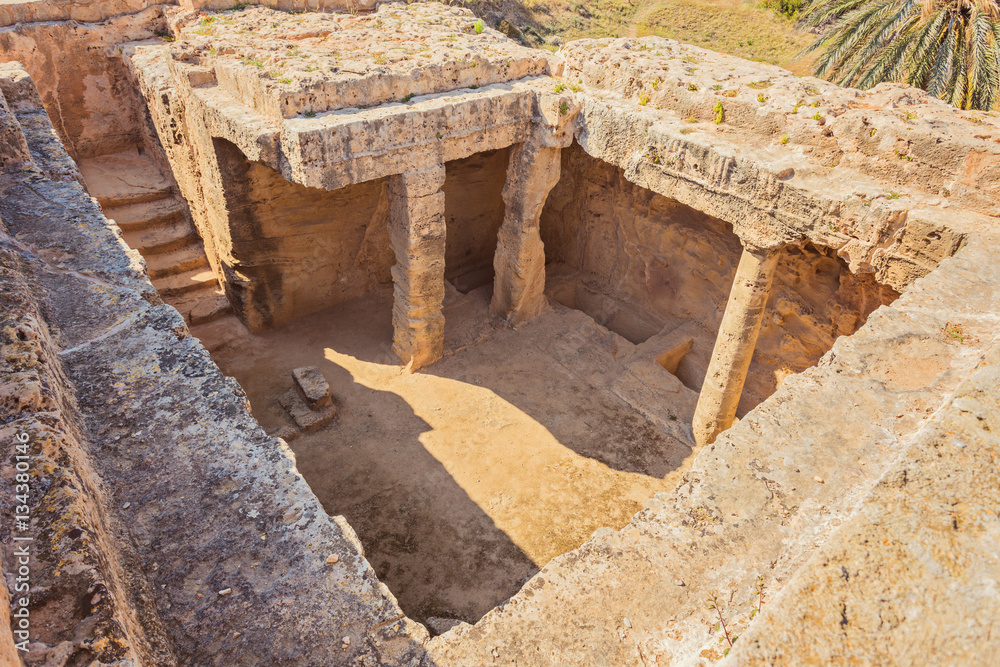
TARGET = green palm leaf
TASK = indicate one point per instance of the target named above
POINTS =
(951, 48)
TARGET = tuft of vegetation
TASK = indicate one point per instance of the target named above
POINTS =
(478, 27)
(784, 138)
(787, 8)
(714, 603)
(692, 86)
(720, 113)
(310, 114)
(761, 97)
(954, 331)
(563, 108)
(560, 87)
(950, 48)
(643, 99)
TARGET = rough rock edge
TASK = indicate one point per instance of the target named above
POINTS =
(151, 398)
(918, 556)
(81, 551)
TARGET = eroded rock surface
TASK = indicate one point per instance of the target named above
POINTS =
(860, 491)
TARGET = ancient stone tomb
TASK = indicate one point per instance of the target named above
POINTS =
(502, 341)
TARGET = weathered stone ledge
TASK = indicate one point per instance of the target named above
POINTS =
(226, 531)
(758, 501)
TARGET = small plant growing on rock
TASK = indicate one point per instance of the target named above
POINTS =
(643, 99)
(407, 97)
(310, 114)
(761, 97)
(759, 584)
(731, 93)
(954, 331)
(563, 108)
(692, 86)
(656, 84)
(892, 195)
(478, 27)
(717, 87)
(784, 138)
(253, 61)
(560, 87)
(816, 116)
(911, 116)
(904, 156)
(714, 604)
(720, 113)
(691, 119)
(653, 156)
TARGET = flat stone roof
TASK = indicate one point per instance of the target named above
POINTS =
(284, 65)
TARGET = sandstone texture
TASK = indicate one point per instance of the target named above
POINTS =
(110, 387)
(312, 386)
(597, 201)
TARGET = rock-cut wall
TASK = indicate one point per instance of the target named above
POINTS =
(168, 527)
(679, 263)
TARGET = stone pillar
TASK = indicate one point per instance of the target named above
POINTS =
(519, 262)
(416, 235)
(734, 346)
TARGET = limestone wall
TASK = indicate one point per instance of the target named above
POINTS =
(32, 11)
(171, 529)
(78, 549)
(473, 208)
(288, 250)
(82, 79)
(679, 264)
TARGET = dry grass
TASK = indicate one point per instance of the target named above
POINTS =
(739, 27)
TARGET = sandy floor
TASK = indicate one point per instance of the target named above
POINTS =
(464, 478)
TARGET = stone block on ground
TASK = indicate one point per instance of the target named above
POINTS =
(286, 433)
(306, 419)
(312, 386)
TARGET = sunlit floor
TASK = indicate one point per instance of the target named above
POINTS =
(465, 478)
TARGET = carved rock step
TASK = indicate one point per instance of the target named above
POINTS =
(144, 215)
(165, 238)
(219, 333)
(120, 179)
(176, 261)
(202, 306)
(182, 283)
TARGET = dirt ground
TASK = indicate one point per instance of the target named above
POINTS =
(465, 478)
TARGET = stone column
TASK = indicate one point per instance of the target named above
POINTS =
(727, 371)
(416, 235)
(519, 261)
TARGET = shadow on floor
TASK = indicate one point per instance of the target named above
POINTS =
(462, 479)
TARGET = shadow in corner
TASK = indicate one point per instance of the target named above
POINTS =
(436, 550)
(434, 547)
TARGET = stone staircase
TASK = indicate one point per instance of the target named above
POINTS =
(154, 219)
